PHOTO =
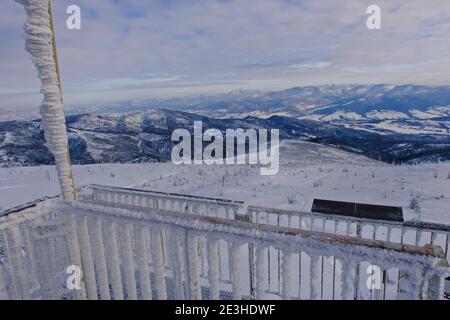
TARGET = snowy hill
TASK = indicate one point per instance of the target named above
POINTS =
(307, 171)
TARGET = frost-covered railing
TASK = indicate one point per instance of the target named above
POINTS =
(167, 201)
(133, 252)
(18, 269)
(413, 233)
(410, 232)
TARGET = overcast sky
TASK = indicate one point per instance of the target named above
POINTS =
(134, 49)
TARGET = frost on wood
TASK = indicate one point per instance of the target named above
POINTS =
(39, 43)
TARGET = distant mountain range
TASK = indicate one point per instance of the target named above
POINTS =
(145, 137)
(357, 101)
(404, 109)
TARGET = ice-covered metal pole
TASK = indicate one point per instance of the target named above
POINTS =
(41, 44)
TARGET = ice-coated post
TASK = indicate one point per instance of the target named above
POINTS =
(41, 44)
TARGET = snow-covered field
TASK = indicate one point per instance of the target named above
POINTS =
(307, 171)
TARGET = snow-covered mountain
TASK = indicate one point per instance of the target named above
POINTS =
(408, 109)
(145, 137)
(379, 101)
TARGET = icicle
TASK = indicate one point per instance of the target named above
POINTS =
(252, 268)
(202, 256)
(75, 253)
(402, 234)
(128, 261)
(17, 262)
(213, 268)
(143, 257)
(236, 271)
(433, 237)
(30, 256)
(8, 270)
(418, 237)
(347, 281)
(45, 269)
(389, 234)
(447, 245)
(348, 229)
(434, 287)
(158, 263)
(100, 259)
(40, 43)
(287, 279)
(375, 231)
(4, 295)
(114, 262)
(193, 267)
(3, 291)
(316, 272)
(407, 281)
(87, 261)
(176, 265)
(261, 272)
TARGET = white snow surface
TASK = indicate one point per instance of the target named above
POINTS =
(341, 115)
(386, 114)
(307, 171)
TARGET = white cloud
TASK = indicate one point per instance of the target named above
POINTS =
(142, 47)
(312, 65)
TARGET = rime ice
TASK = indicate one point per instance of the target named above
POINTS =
(39, 43)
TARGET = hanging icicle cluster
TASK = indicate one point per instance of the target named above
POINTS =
(40, 44)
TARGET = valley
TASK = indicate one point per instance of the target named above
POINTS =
(395, 124)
